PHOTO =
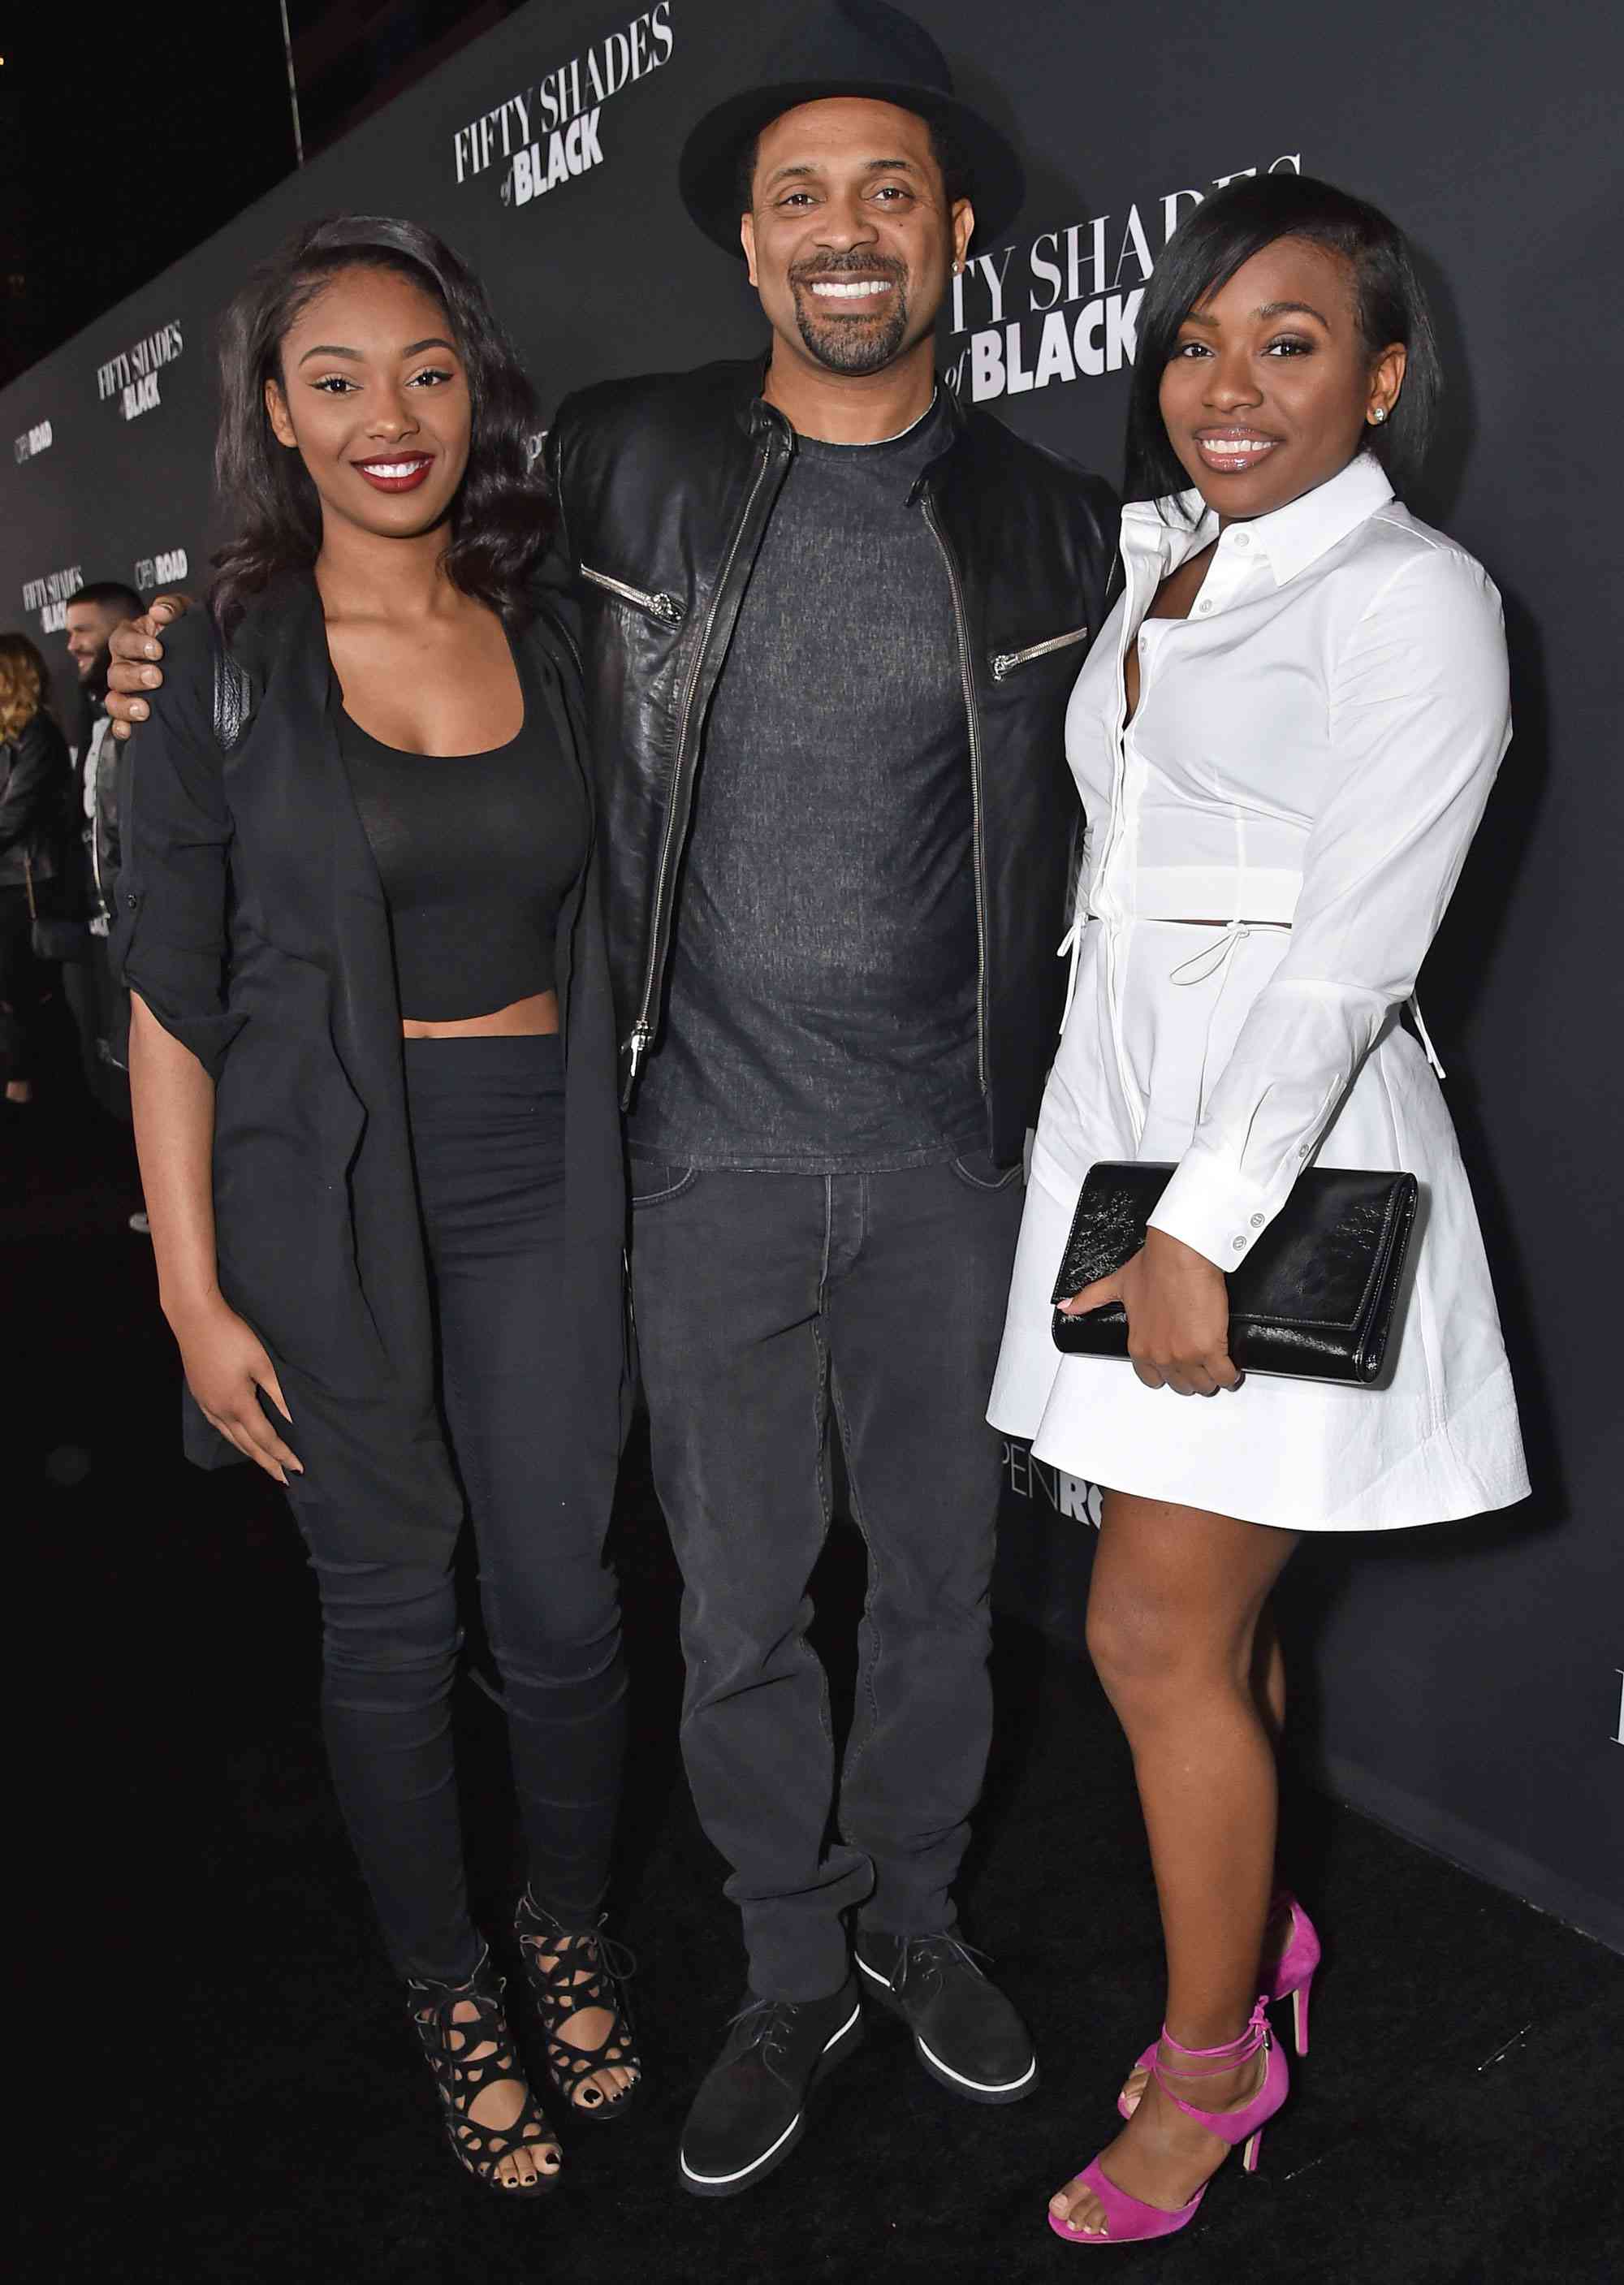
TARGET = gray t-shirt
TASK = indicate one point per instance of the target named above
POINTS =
(822, 986)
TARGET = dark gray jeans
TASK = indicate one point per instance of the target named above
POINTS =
(763, 1300)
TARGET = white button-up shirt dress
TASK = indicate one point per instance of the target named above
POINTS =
(1310, 757)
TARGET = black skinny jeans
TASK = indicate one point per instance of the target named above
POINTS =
(487, 1119)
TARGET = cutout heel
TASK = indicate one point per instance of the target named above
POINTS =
(461, 2076)
(588, 1970)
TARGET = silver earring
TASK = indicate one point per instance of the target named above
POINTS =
(1379, 415)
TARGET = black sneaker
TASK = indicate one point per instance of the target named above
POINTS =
(966, 2033)
(751, 2111)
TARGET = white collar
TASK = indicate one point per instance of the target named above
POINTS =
(1290, 538)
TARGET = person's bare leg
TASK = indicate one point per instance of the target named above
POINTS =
(1172, 1628)
(1268, 1684)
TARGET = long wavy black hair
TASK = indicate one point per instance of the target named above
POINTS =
(500, 517)
(1213, 242)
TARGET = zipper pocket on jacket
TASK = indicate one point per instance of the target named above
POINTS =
(635, 1043)
(666, 608)
(1004, 661)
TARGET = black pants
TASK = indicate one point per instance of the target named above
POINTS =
(19, 986)
(487, 1129)
(763, 1302)
(101, 1006)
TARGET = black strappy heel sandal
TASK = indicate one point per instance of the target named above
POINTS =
(588, 1970)
(449, 2046)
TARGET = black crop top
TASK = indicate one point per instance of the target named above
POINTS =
(477, 852)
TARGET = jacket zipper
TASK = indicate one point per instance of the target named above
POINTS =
(972, 716)
(636, 1044)
(1007, 659)
(95, 820)
(666, 608)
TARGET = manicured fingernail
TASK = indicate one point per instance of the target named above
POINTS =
(152, 650)
(149, 675)
(137, 711)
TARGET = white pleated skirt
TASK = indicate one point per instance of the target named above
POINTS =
(1436, 1438)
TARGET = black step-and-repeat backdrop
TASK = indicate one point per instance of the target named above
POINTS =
(1464, 1683)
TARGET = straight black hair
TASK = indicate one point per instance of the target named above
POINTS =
(501, 516)
(1222, 234)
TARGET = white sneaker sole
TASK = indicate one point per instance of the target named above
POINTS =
(975, 2090)
(727, 2186)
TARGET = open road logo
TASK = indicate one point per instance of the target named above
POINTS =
(162, 570)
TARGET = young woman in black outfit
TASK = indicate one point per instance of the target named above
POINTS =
(372, 1064)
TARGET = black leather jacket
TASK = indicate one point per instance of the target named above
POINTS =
(36, 797)
(101, 831)
(664, 486)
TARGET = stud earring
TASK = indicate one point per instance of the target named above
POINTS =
(957, 267)
(1379, 415)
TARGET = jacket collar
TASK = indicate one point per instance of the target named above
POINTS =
(1290, 539)
(753, 414)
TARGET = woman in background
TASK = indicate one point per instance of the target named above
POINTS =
(36, 788)
(372, 1064)
(1285, 738)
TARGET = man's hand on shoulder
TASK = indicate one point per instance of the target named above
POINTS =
(136, 650)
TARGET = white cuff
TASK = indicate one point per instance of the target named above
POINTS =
(1210, 1207)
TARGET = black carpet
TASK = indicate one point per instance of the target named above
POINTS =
(212, 2074)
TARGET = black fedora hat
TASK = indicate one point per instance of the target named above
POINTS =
(848, 47)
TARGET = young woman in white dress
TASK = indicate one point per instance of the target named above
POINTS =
(1283, 738)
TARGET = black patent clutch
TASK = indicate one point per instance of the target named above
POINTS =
(1314, 1299)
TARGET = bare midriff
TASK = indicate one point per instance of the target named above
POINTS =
(520, 1019)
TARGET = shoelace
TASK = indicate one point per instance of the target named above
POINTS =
(770, 2021)
(617, 1957)
(932, 1953)
(619, 1960)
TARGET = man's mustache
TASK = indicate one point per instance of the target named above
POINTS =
(849, 265)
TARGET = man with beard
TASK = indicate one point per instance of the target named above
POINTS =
(829, 624)
(100, 1003)
(835, 620)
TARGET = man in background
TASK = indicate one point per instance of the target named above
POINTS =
(100, 1003)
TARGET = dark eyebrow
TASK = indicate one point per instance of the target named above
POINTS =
(1268, 310)
(870, 167)
(1291, 309)
(331, 348)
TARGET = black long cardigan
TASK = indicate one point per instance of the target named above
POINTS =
(252, 922)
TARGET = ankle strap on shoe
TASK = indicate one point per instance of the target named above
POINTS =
(1209, 2062)
(484, 1988)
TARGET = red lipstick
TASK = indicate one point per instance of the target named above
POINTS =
(395, 471)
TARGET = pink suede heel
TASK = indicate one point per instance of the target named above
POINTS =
(1294, 1977)
(1293, 1980)
(1129, 2220)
